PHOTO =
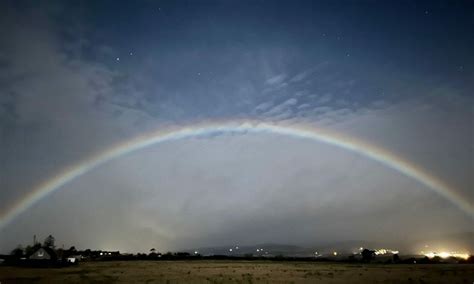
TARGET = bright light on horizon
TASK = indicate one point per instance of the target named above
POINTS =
(445, 254)
(385, 251)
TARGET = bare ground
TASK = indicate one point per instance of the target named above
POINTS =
(239, 272)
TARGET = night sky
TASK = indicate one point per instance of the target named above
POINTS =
(77, 77)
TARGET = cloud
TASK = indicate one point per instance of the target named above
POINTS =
(263, 106)
(276, 80)
(55, 105)
(303, 106)
(325, 98)
(300, 77)
(307, 73)
(282, 110)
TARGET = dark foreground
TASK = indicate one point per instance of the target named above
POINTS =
(205, 271)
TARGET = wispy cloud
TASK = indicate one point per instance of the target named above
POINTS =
(276, 80)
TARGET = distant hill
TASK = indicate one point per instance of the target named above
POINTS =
(453, 242)
(256, 250)
(269, 249)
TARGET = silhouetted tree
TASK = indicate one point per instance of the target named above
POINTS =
(17, 252)
(28, 250)
(71, 251)
(470, 259)
(395, 258)
(368, 255)
(182, 254)
(86, 253)
(31, 249)
(153, 253)
(49, 241)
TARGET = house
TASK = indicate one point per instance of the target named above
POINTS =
(44, 254)
(73, 259)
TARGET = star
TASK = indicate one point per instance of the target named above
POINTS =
(118, 59)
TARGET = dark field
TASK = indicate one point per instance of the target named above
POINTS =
(238, 272)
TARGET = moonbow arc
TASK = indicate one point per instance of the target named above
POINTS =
(372, 152)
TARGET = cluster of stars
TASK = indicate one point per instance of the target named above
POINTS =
(118, 58)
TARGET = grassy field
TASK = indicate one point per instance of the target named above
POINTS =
(238, 272)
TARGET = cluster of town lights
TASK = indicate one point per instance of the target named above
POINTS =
(381, 251)
(385, 251)
(446, 254)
